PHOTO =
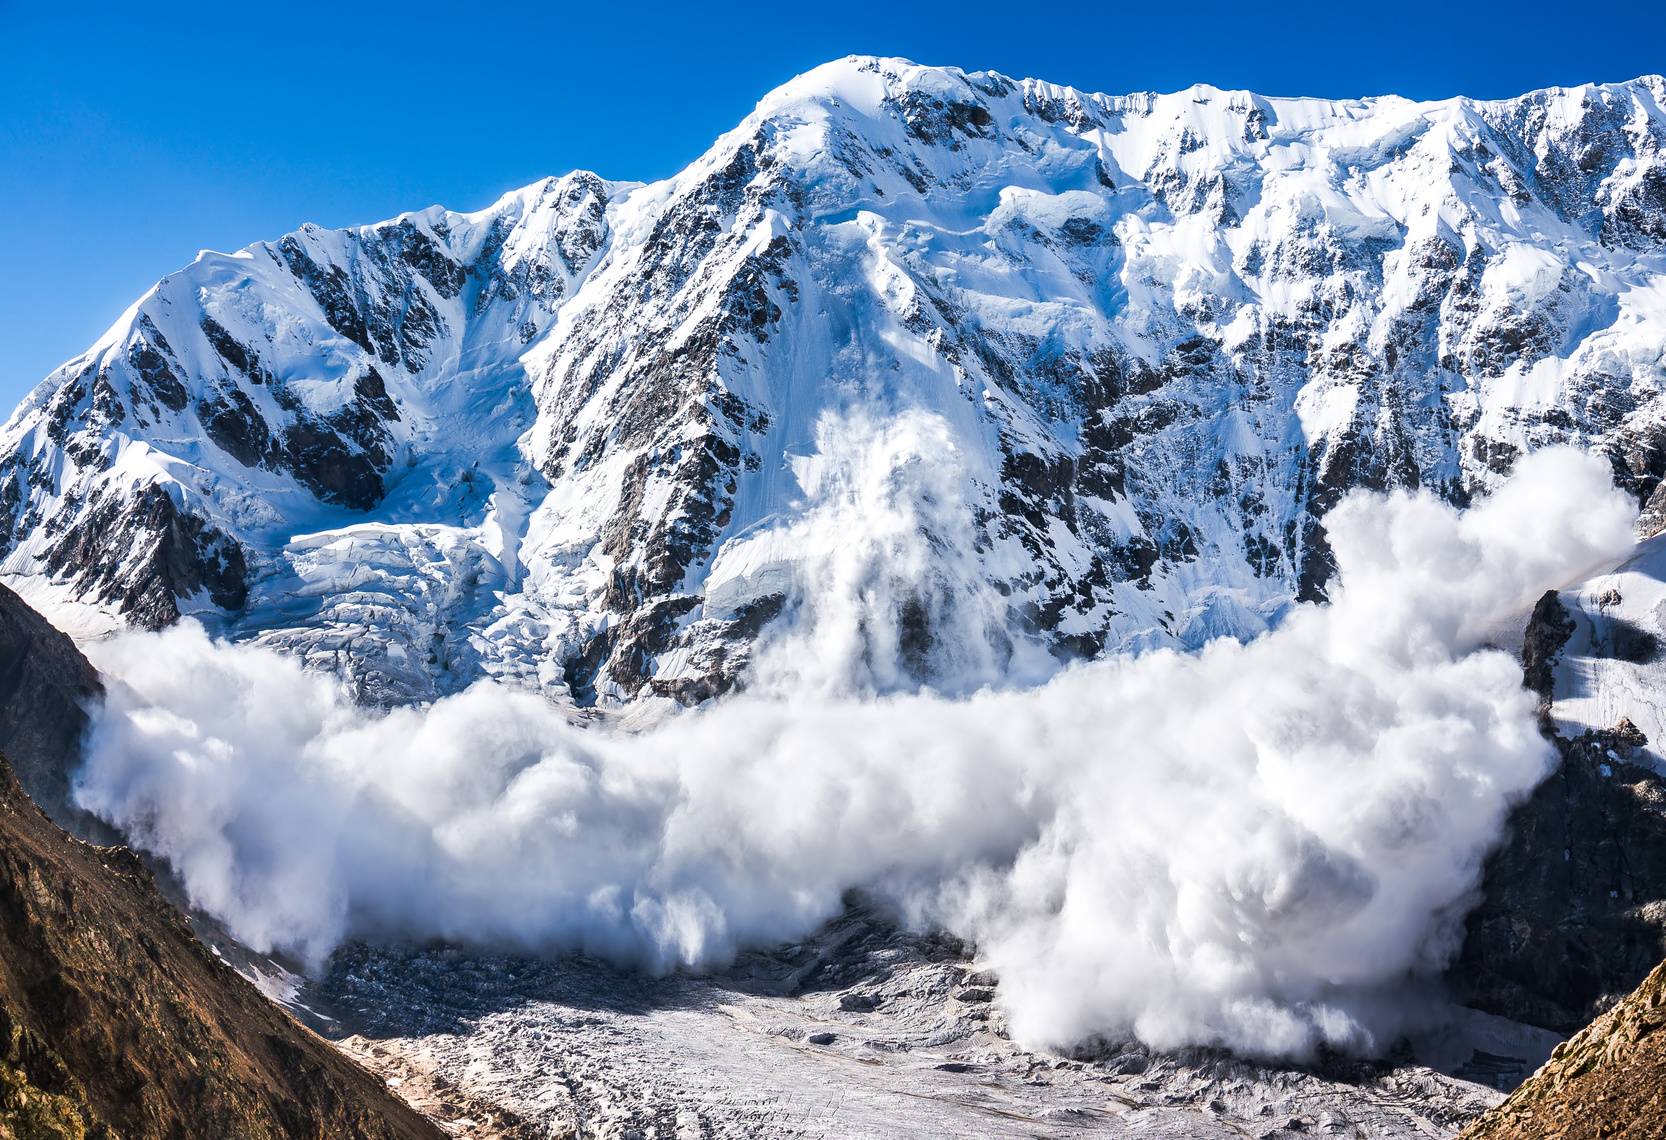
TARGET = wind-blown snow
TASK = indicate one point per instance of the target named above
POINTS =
(1254, 844)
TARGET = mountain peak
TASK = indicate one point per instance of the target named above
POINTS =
(565, 441)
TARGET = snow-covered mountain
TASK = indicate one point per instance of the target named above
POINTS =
(567, 441)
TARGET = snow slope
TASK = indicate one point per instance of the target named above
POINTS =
(1610, 664)
(593, 439)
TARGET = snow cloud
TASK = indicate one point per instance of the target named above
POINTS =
(1255, 845)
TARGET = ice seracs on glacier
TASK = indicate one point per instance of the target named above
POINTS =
(572, 440)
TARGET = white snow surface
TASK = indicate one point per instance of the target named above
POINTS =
(1026, 264)
(1613, 666)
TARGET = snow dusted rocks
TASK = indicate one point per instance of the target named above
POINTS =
(860, 1030)
(1137, 346)
(312, 440)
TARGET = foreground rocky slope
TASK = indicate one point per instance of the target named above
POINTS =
(1609, 1080)
(565, 440)
(116, 1022)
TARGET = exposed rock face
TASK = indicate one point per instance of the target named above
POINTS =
(116, 1022)
(46, 688)
(1573, 912)
(1609, 1080)
(1574, 908)
(555, 441)
(1548, 631)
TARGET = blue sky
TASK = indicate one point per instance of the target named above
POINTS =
(133, 135)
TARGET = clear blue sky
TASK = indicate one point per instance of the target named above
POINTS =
(134, 134)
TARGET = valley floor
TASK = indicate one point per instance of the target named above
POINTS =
(861, 1031)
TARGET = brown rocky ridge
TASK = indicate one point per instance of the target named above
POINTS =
(116, 1023)
(1609, 1080)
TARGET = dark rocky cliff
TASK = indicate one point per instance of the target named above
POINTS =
(1573, 913)
(46, 688)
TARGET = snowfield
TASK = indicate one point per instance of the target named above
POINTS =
(565, 441)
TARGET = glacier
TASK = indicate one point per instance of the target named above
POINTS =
(567, 442)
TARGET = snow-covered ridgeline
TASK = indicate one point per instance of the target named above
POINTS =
(565, 440)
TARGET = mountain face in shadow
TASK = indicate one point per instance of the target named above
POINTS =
(46, 690)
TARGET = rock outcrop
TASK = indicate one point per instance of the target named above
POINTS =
(1609, 1080)
(46, 690)
(1572, 912)
(1573, 906)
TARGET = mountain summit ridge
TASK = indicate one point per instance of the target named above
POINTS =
(563, 441)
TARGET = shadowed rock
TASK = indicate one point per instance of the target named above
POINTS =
(1573, 908)
(46, 688)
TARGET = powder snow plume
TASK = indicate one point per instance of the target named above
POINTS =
(1257, 845)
